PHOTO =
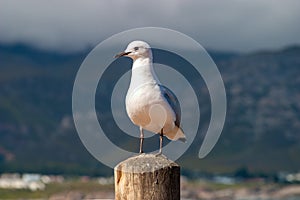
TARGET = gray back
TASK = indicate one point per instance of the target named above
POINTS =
(173, 101)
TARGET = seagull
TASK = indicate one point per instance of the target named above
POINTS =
(149, 104)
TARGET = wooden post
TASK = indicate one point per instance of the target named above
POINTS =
(146, 177)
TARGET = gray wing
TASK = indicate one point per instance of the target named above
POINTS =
(173, 101)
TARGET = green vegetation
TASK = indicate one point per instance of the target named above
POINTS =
(83, 187)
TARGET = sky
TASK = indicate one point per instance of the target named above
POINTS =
(227, 25)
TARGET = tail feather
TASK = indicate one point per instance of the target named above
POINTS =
(176, 134)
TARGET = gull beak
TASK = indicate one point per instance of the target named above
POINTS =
(122, 54)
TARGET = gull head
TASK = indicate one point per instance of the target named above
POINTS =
(136, 49)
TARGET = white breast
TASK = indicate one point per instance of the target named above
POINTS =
(146, 107)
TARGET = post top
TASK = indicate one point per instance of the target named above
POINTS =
(145, 163)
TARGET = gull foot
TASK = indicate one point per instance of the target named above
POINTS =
(158, 154)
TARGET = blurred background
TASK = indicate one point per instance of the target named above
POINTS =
(255, 44)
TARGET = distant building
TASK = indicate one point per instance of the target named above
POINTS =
(16, 181)
(289, 177)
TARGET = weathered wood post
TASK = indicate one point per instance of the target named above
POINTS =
(146, 177)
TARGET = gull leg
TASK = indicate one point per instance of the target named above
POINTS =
(161, 135)
(141, 140)
(160, 142)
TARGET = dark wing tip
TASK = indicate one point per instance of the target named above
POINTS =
(182, 140)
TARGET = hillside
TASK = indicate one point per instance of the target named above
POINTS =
(261, 131)
(263, 121)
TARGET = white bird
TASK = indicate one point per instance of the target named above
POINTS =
(150, 105)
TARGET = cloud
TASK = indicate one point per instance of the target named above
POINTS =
(224, 25)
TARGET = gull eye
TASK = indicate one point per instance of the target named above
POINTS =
(136, 48)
